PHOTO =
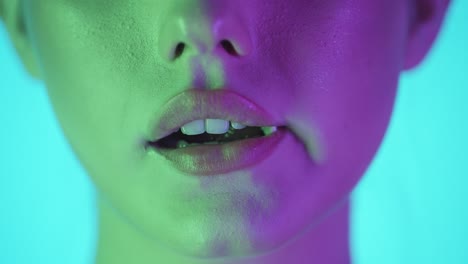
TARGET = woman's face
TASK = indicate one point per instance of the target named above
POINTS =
(326, 70)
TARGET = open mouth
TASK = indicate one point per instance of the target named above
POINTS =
(235, 132)
(213, 132)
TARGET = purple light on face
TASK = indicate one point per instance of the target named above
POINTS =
(313, 82)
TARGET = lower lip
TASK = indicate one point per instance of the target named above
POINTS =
(207, 160)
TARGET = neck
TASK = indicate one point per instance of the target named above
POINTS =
(120, 243)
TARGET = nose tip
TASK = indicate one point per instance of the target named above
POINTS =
(184, 35)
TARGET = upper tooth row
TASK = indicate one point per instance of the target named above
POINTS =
(211, 126)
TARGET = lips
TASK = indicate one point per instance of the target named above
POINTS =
(212, 159)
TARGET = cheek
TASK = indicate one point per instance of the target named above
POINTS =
(92, 84)
(349, 87)
(90, 67)
(340, 79)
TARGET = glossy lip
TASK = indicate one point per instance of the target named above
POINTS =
(224, 104)
(195, 104)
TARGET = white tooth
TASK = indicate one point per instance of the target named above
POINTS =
(196, 127)
(237, 125)
(269, 130)
(182, 144)
(216, 126)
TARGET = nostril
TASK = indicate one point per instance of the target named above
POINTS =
(227, 45)
(179, 50)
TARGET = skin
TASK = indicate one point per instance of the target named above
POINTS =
(327, 69)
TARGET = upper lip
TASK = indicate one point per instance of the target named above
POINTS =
(195, 104)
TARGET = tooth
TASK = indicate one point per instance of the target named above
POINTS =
(236, 125)
(269, 130)
(216, 126)
(196, 127)
(182, 144)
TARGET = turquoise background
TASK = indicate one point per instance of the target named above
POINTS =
(411, 207)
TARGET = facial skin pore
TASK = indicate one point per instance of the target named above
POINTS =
(327, 69)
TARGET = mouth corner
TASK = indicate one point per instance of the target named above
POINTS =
(311, 139)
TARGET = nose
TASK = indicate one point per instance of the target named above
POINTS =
(191, 34)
